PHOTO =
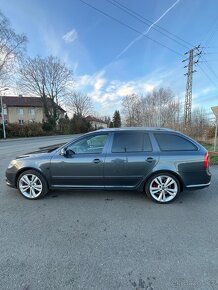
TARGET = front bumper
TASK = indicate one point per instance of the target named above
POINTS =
(10, 178)
(8, 182)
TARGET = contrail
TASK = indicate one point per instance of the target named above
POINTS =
(146, 31)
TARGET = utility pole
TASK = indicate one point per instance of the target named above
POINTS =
(2, 113)
(215, 111)
(188, 94)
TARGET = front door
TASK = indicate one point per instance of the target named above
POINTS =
(83, 164)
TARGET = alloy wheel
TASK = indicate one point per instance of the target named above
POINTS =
(163, 188)
(30, 185)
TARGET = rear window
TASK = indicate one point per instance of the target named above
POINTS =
(131, 142)
(170, 142)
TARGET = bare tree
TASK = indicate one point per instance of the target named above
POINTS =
(200, 123)
(79, 103)
(131, 109)
(107, 120)
(160, 108)
(12, 46)
(49, 79)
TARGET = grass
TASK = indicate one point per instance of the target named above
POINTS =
(213, 155)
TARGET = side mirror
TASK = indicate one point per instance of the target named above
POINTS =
(70, 153)
(63, 152)
(67, 152)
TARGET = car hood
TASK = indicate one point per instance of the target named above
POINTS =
(41, 151)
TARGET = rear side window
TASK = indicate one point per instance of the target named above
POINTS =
(131, 142)
(147, 143)
(170, 142)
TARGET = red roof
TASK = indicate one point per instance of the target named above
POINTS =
(93, 119)
(18, 101)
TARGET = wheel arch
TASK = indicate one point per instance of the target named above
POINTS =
(164, 171)
(26, 169)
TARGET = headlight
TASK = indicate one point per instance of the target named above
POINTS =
(12, 163)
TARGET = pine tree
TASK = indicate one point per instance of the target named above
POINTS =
(117, 119)
(111, 125)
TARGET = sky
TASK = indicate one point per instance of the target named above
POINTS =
(110, 60)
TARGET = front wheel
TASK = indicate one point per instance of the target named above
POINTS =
(162, 187)
(32, 185)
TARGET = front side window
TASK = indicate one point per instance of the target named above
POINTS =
(171, 142)
(131, 142)
(90, 144)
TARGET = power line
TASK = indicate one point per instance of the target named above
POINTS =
(211, 53)
(205, 62)
(156, 25)
(208, 65)
(211, 32)
(147, 22)
(130, 27)
(206, 74)
(210, 68)
(209, 46)
(208, 60)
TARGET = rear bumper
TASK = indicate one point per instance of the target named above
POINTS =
(196, 180)
(197, 186)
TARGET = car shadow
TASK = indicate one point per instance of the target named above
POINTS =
(112, 195)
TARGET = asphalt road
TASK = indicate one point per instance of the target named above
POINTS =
(105, 240)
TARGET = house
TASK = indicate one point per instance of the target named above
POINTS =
(19, 109)
(96, 123)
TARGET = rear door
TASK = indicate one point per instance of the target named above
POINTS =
(130, 157)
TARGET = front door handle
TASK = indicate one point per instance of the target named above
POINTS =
(150, 159)
(96, 161)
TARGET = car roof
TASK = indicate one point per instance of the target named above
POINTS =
(135, 129)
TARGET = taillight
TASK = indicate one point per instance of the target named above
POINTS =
(206, 160)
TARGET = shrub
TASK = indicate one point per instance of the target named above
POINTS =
(25, 130)
(64, 126)
(47, 127)
(79, 124)
(211, 132)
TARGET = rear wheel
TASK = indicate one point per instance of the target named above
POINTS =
(162, 187)
(32, 185)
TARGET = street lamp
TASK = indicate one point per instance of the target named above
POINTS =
(2, 111)
(215, 111)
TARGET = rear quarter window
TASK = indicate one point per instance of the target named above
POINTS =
(171, 142)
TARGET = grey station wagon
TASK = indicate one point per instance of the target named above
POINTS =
(160, 162)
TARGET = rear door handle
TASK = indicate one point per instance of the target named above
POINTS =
(96, 161)
(150, 159)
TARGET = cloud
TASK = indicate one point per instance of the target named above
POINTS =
(99, 83)
(107, 94)
(149, 87)
(70, 36)
(125, 90)
(203, 92)
(95, 81)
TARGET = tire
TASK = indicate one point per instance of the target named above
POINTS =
(162, 187)
(32, 185)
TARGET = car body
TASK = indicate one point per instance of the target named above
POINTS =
(159, 161)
